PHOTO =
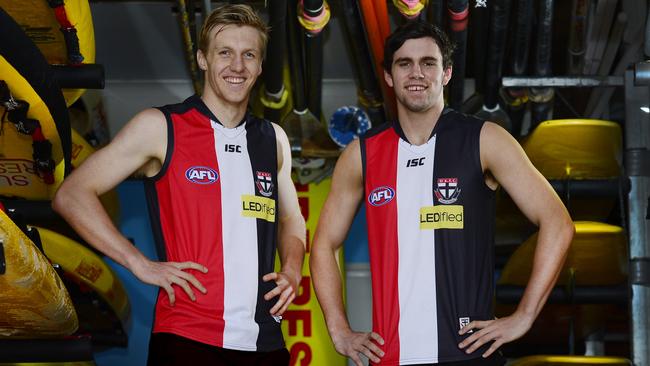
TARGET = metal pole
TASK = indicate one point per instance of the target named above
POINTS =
(561, 81)
(637, 164)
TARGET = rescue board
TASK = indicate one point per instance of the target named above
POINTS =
(30, 90)
(18, 179)
(86, 267)
(33, 300)
(39, 21)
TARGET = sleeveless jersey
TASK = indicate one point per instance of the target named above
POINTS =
(214, 203)
(430, 222)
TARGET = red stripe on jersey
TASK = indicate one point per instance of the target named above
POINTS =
(381, 215)
(190, 218)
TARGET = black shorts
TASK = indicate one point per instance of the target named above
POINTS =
(495, 359)
(167, 349)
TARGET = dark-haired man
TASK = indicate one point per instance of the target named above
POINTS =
(428, 182)
(221, 200)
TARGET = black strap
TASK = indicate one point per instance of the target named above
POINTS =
(42, 155)
(55, 3)
(3, 263)
(72, 45)
(5, 96)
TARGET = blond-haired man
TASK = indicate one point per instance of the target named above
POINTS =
(221, 200)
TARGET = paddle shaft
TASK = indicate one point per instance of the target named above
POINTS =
(296, 59)
(274, 62)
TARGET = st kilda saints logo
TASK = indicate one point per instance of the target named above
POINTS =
(447, 190)
(264, 183)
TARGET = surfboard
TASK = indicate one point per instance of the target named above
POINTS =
(597, 257)
(40, 23)
(570, 360)
(33, 300)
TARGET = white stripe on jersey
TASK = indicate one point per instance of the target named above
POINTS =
(239, 240)
(418, 331)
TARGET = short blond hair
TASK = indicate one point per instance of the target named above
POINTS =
(233, 14)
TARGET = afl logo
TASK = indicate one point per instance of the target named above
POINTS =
(381, 196)
(201, 175)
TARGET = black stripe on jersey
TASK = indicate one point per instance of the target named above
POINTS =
(262, 150)
(464, 258)
(154, 218)
(167, 111)
(150, 182)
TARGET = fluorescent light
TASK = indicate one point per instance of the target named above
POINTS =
(645, 109)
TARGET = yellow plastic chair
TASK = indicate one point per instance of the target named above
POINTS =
(569, 360)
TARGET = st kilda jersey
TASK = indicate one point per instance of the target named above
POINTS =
(430, 222)
(214, 202)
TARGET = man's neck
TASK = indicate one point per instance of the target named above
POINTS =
(417, 126)
(229, 114)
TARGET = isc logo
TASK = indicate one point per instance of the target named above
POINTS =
(415, 162)
(381, 196)
(201, 175)
(233, 148)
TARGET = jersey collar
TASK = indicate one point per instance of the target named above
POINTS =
(196, 102)
(443, 115)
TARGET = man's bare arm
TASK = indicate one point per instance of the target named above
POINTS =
(335, 220)
(504, 158)
(291, 240)
(141, 140)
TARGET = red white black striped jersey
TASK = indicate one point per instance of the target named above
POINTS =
(215, 203)
(430, 222)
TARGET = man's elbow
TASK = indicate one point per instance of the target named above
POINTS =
(294, 225)
(64, 198)
(567, 231)
(58, 202)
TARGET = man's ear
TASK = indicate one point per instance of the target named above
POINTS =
(260, 70)
(389, 78)
(447, 75)
(200, 59)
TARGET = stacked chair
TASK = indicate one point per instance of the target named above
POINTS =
(582, 159)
